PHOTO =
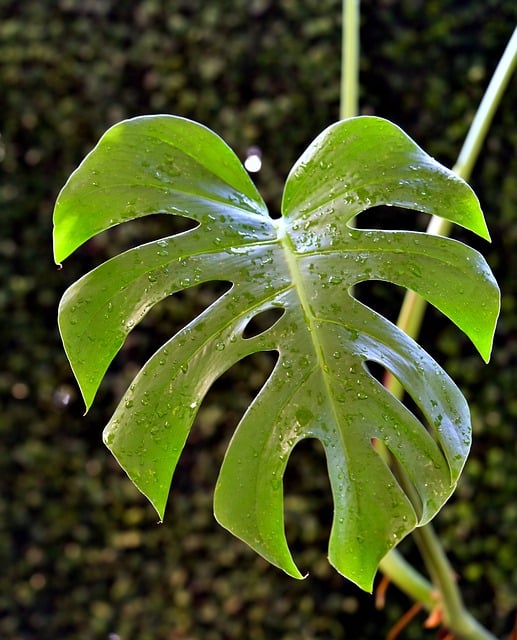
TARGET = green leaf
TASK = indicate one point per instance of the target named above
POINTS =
(304, 264)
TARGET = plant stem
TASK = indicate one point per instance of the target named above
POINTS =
(349, 59)
(413, 306)
(408, 579)
(456, 618)
(479, 128)
(410, 320)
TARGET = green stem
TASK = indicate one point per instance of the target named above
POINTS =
(408, 579)
(349, 59)
(456, 618)
(413, 306)
(483, 118)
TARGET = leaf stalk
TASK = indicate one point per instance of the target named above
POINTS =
(486, 110)
(456, 617)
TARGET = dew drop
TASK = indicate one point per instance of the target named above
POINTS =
(304, 415)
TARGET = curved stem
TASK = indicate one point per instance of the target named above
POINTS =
(408, 579)
(456, 617)
(479, 128)
(394, 566)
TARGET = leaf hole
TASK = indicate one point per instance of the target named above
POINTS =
(388, 454)
(383, 297)
(308, 505)
(167, 318)
(220, 412)
(383, 375)
(262, 322)
(376, 370)
(392, 219)
(136, 232)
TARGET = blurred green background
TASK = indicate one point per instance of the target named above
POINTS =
(81, 553)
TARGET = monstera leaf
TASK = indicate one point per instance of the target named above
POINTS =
(303, 264)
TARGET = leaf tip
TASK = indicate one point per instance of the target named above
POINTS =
(362, 579)
(475, 218)
(486, 353)
(483, 231)
(86, 393)
(159, 508)
(160, 512)
(292, 571)
(485, 343)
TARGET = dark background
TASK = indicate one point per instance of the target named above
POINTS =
(81, 555)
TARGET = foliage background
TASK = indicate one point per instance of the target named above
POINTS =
(80, 550)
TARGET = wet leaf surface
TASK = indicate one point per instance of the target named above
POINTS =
(303, 265)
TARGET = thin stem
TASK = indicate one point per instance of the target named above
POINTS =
(349, 59)
(408, 579)
(394, 565)
(410, 319)
(412, 311)
(483, 118)
(456, 617)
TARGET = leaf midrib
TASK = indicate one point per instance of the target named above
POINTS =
(297, 280)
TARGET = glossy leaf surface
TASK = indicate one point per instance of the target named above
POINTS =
(304, 264)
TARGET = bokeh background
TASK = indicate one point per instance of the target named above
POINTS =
(81, 553)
